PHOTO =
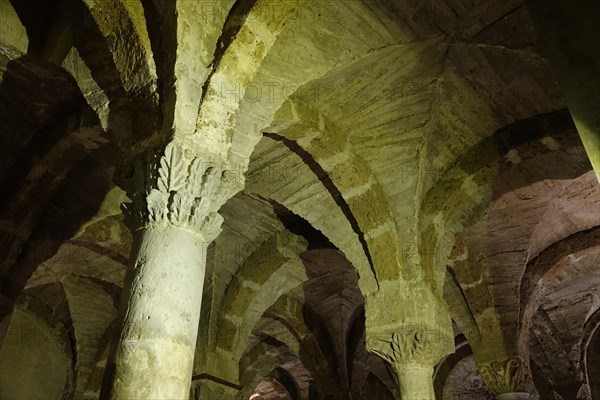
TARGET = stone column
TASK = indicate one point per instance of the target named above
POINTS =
(173, 216)
(508, 378)
(415, 380)
(409, 327)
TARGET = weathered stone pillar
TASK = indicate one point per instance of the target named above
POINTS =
(409, 327)
(415, 380)
(173, 216)
(508, 379)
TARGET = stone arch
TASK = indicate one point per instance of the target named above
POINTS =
(384, 373)
(557, 345)
(299, 376)
(253, 39)
(277, 328)
(443, 368)
(318, 348)
(375, 386)
(460, 312)
(84, 298)
(299, 75)
(443, 371)
(575, 203)
(115, 69)
(273, 386)
(362, 360)
(361, 365)
(65, 143)
(356, 351)
(123, 25)
(245, 300)
(109, 58)
(265, 278)
(288, 309)
(468, 278)
(293, 313)
(94, 384)
(550, 354)
(293, 338)
(483, 175)
(259, 362)
(91, 314)
(276, 260)
(297, 193)
(463, 192)
(551, 266)
(333, 298)
(546, 264)
(36, 356)
(306, 131)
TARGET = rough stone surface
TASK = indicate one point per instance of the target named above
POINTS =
(34, 361)
(160, 310)
(323, 195)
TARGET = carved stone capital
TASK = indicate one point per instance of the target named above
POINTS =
(506, 376)
(177, 188)
(411, 343)
(407, 323)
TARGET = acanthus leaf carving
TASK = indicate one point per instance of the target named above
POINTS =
(411, 342)
(177, 189)
(172, 171)
(506, 376)
(156, 205)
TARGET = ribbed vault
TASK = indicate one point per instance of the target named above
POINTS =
(361, 145)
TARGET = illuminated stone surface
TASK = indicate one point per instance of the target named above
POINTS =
(359, 199)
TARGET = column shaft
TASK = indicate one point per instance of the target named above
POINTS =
(160, 310)
(416, 381)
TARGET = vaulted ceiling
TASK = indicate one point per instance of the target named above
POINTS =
(370, 130)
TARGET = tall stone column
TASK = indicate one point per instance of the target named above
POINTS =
(173, 216)
(409, 327)
(508, 378)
